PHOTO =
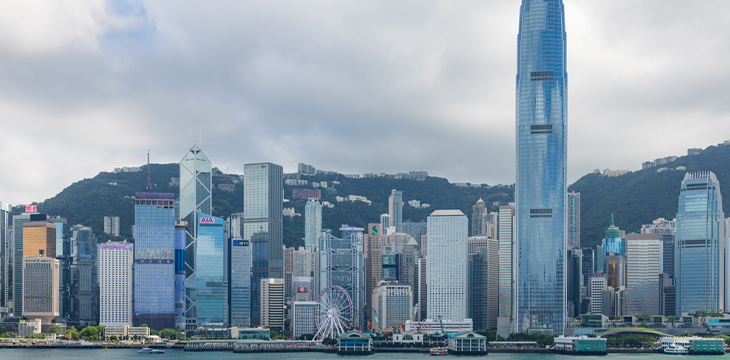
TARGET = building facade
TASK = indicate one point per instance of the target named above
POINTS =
(477, 217)
(644, 264)
(507, 262)
(447, 265)
(395, 209)
(196, 197)
(263, 221)
(212, 284)
(154, 254)
(393, 303)
(483, 286)
(272, 303)
(79, 274)
(373, 260)
(303, 318)
(312, 224)
(240, 283)
(40, 288)
(699, 257)
(4, 257)
(115, 284)
(573, 219)
(111, 225)
(541, 187)
(342, 263)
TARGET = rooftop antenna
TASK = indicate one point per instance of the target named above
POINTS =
(149, 179)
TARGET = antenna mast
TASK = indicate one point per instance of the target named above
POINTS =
(149, 179)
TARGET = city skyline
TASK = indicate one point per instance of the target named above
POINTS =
(71, 83)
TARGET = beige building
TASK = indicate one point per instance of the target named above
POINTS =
(126, 330)
(272, 303)
(373, 260)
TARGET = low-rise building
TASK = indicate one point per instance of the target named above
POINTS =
(126, 330)
(430, 326)
(28, 327)
(303, 318)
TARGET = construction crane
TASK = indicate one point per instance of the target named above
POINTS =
(442, 326)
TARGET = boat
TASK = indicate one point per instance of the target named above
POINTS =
(674, 349)
(150, 351)
(439, 351)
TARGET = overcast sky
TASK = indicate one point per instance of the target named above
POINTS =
(352, 86)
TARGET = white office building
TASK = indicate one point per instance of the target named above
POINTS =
(392, 301)
(303, 318)
(447, 265)
(598, 282)
(115, 284)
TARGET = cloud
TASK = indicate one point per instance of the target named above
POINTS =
(351, 86)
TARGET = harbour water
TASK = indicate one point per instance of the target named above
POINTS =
(76, 354)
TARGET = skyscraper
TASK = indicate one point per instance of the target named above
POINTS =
(574, 220)
(395, 209)
(4, 256)
(30, 214)
(212, 288)
(540, 190)
(312, 224)
(111, 225)
(447, 265)
(262, 225)
(700, 246)
(240, 282)
(644, 264)
(115, 284)
(196, 196)
(272, 303)
(342, 263)
(477, 217)
(507, 255)
(40, 288)
(154, 269)
(181, 229)
(483, 286)
(78, 266)
(373, 261)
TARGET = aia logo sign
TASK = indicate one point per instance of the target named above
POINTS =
(207, 220)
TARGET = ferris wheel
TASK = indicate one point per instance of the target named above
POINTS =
(334, 312)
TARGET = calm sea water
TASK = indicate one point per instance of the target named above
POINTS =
(75, 354)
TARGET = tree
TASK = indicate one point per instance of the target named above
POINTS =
(55, 329)
(89, 333)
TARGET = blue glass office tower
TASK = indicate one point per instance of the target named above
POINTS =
(240, 282)
(540, 191)
(263, 199)
(154, 260)
(211, 287)
(612, 242)
(700, 247)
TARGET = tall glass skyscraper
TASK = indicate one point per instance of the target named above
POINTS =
(312, 224)
(395, 209)
(263, 199)
(4, 256)
(212, 288)
(196, 197)
(540, 193)
(574, 220)
(154, 257)
(700, 247)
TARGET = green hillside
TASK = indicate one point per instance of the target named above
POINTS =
(641, 196)
(88, 201)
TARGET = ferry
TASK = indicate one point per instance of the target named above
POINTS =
(150, 351)
(439, 351)
(674, 349)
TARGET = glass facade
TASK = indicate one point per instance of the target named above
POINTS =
(4, 256)
(154, 257)
(447, 265)
(395, 209)
(211, 288)
(240, 283)
(312, 224)
(574, 220)
(180, 237)
(79, 277)
(196, 196)
(541, 190)
(700, 244)
(342, 263)
(262, 225)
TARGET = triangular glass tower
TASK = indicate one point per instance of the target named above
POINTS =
(196, 190)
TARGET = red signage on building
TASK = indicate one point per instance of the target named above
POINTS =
(207, 220)
(301, 289)
(31, 208)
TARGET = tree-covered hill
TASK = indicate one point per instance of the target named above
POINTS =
(641, 196)
(87, 201)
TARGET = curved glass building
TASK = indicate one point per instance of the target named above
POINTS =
(540, 193)
(699, 253)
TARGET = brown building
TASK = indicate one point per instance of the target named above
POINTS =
(272, 303)
(39, 235)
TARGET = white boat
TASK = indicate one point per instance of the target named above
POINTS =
(150, 351)
(674, 349)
